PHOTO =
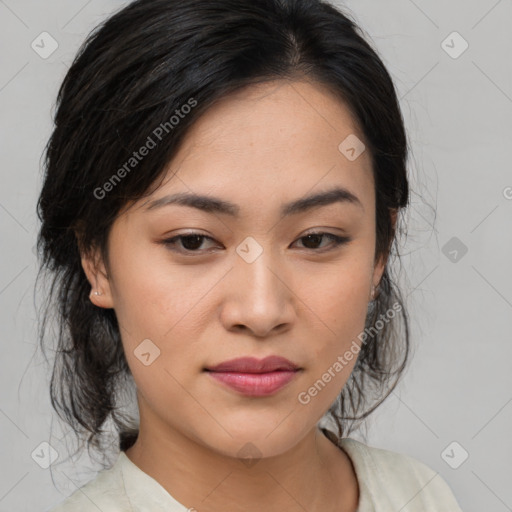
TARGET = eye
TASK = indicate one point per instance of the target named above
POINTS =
(193, 242)
(312, 239)
(189, 242)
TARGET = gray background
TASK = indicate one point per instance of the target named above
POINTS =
(458, 113)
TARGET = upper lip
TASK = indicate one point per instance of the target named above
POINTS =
(253, 365)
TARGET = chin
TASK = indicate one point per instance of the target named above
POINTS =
(255, 439)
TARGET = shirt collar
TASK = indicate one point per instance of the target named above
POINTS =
(143, 491)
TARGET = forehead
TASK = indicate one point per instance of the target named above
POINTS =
(275, 141)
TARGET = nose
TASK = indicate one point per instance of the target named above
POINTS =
(259, 297)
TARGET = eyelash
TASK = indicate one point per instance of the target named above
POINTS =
(337, 241)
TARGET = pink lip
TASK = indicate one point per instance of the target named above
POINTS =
(255, 384)
(253, 365)
(254, 377)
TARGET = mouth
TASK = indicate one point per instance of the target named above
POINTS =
(253, 365)
(254, 377)
(255, 384)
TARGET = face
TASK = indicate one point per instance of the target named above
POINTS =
(257, 278)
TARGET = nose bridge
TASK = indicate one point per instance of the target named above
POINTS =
(257, 263)
(260, 300)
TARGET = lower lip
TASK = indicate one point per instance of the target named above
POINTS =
(255, 384)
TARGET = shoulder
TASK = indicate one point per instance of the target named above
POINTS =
(105, 492)
(399, 479)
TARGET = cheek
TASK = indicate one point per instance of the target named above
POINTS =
(158, 305)
(339, 297)
(151, 294)
(339, 302)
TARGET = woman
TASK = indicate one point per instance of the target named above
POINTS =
(221, 200)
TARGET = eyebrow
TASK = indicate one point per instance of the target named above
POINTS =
(212, 204)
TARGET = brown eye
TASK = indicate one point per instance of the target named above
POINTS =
(189, 242)
(312, 240)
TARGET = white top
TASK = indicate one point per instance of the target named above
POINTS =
(388, 482)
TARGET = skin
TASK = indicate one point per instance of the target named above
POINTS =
(267, 145)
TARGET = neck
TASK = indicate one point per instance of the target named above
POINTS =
(314, 475)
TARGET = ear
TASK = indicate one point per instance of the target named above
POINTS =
(97, 275)
(381, 262)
